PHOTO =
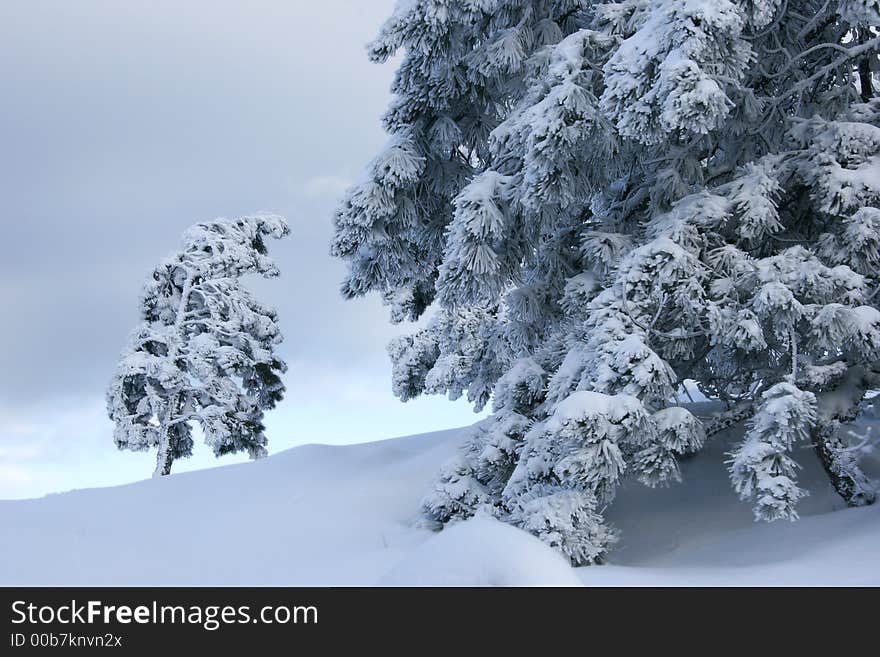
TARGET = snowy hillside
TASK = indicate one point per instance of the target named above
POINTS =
(320, 515)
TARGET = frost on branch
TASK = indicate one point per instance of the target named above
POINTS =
(760, 468)
(567, 520)
(476, 477)
(673, 73)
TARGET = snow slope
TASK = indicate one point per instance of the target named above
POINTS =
(321, 515)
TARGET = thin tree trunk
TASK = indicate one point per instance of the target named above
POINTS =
(164, 459)
(165, 456)
(866, 82)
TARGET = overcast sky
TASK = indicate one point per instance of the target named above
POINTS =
(121, 123)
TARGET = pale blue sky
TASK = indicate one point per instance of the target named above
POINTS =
(121, 124)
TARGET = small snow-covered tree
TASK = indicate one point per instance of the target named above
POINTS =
(204, 352)
(614, 197)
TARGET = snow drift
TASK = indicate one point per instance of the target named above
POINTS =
(322, 515)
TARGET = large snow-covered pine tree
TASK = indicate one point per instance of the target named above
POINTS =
(204, 352)
(601, 200)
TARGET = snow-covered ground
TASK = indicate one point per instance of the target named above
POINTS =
(321, 515)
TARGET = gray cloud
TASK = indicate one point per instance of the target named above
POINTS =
(123, 123)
